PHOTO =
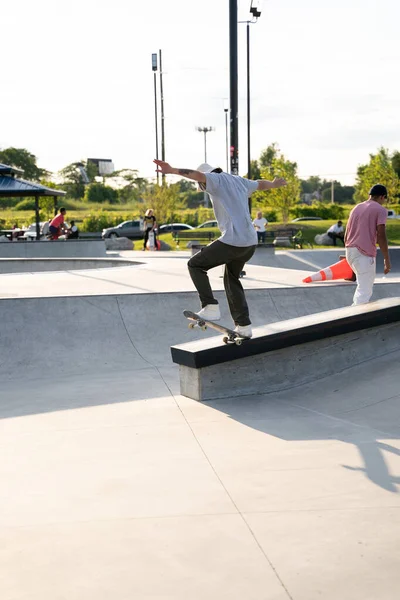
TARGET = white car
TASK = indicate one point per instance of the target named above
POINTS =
(392, 214)
(208, 224)
(172, 227)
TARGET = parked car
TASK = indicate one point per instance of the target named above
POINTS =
(169, 227)
(129, 229)
(208, 224)
(30, 232)
(306, 219)
(392, 214)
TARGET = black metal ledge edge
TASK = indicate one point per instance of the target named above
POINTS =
(276, 341)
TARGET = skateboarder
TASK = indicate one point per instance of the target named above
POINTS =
(229, 196)
(365, 227)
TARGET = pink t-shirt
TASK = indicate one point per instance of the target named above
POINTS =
(56, 222)
(362, 224)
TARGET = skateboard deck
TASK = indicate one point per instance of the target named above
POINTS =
(230, 336)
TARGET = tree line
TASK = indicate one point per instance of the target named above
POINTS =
(126, 187)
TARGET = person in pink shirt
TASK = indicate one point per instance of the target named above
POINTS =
(367, 226)
(57, 224)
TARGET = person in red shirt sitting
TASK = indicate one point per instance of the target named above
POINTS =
(57, 224)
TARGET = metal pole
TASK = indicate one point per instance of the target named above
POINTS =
(226, 140)
(156, 120)
(248, 110)
(162, 115)
(205, 145)
(233, 71)
(37, 218)
(332, 192)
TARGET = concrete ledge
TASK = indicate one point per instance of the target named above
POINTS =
(284, 334)
(289, 367)
(39, 265)
(289, 353)
(54, 249)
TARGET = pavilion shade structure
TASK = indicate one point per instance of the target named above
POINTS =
(12, 186)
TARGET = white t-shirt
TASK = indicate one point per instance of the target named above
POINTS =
(336, 228)
(260, 224)
(229, 195)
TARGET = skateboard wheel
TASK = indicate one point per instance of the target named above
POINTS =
(203, 327)
(225, 339)
(238, 342)
(191, 325)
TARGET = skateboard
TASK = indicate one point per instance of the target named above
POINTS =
(230, 336)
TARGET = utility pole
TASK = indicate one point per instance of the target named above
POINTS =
(154, 68)
(233, 73)
(332, 192)
(162, 116)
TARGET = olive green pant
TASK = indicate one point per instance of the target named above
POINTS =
(234, 258)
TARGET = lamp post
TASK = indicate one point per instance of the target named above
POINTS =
(255, 11)
(205, 130)
(233, 81)
(154, 69)
(226, 139)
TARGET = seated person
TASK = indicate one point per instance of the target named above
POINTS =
(73, 231)
(336, 232)
(57, 226)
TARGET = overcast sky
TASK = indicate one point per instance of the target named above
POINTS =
(77, 81)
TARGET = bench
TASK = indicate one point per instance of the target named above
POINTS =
(274, 236)
(195, 235)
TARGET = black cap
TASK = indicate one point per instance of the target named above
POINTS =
(378, 190)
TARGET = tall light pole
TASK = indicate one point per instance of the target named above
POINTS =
(226, 139)
(233, 77)
(154, 68)
(255, 10)
(162, 115)
(205, 130)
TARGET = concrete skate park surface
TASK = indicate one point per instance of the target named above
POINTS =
(115, 486)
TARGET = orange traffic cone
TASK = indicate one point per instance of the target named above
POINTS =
(340, 270)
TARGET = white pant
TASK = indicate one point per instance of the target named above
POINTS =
(365, 268)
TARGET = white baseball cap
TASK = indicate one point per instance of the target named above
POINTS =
(205, 168)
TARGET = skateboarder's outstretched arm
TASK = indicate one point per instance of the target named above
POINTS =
(166, 169)
(263, 184)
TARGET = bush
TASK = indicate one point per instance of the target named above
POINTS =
(29, 203)
(325, 211)
(9, 202)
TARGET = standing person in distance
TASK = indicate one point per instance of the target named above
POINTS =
(260, 224)
(367, 226)
(229, 196)
(150, 224)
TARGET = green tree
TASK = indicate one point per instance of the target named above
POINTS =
(132, 187)
(396, 162)
(378, 170)
(164, 200)
(98, 192)
(284, 198)
(73, 178)
(22, 159)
